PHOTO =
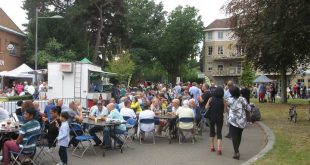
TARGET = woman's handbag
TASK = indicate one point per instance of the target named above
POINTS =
(207, 113)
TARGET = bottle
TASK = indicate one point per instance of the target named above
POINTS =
(100, 96)
(96, 119)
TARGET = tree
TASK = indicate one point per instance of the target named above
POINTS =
(247, 75)
(274, 33)
(122, 65)
(54, 52)
(180, 40)
(145, 25)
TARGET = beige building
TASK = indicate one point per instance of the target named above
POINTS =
(222, 56)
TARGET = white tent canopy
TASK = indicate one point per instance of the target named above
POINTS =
(262, 79)
(21, 72)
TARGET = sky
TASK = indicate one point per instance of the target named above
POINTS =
(208, 9)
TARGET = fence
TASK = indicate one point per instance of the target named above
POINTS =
(11, 106)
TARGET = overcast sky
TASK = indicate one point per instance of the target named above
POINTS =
(208, 9)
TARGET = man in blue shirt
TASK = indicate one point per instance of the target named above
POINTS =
(48, 107)
(120, 129)
(98, 112)
(195, 92)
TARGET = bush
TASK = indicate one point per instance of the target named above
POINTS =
(25, 97)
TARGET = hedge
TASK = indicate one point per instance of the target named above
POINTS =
(25, 97)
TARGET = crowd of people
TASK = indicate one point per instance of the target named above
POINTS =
(24, 88)
(297, 91)
(190, 100)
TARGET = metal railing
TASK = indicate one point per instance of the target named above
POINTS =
(11, 106)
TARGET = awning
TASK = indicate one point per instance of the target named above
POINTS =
(262, 79)
(21, 71)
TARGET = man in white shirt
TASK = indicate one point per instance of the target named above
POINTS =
(186, 112)
(98, 112)
(146, 114)
(127, 111)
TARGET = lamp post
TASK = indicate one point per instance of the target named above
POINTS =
(36, 38)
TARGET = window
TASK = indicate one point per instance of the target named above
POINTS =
(210, 50)
(220, 35)
(13, 50)
(220, 67)
(300, 81)
(209, 35)
(220, 50)
(210, 66)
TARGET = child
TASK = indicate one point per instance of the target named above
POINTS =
(63, 138)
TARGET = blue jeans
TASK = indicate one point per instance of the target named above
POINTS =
(108, 133)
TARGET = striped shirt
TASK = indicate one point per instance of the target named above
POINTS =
(28, 129)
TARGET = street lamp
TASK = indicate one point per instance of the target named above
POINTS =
(36, 38)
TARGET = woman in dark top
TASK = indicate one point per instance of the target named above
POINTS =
(216, 107)
(53, 126)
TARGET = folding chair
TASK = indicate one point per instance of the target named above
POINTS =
(146, 121)
(81, 138)
(126, 117)
(32, 140)
(47, 151)
(181, 131)
(130, 131)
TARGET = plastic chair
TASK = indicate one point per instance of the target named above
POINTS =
(181, 131)
(147, 121)
(81, 138)
(29, 153)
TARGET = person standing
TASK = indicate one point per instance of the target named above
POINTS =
(262, 92)
(237, 117)
(195, 92)
(63, 138)
(216, 106)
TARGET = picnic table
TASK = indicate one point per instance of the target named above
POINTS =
(103, 124)
(169, 118)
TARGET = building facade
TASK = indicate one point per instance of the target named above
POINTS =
(222, 56)
(11, 42)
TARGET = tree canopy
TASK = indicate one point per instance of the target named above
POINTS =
(274, 33)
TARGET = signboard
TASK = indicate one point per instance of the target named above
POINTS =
(1, 63)
(66, 67)
(178, 80)
(201, 75)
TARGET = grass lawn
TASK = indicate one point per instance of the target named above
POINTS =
(292, 144)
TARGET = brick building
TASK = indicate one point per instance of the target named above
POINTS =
(10, 34)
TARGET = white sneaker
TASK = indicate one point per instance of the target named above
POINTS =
(1, 157)
(60, 163)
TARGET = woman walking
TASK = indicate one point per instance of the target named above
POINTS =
(237, 117)
(216, 105)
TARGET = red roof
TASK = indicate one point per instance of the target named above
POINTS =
(219, 23)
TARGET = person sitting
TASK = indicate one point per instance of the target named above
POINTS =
(52, 126)
(146, 114)
(63, 106)
(4, 114)
(18, 110)
(30, 128)
(135, 105)
(50, 105)
(186, 112)
(74, 116)
(127, 111)
(120, 129)
(98, 112)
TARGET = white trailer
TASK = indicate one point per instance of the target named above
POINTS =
(78, 81)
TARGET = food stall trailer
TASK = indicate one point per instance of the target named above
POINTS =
(78, 81)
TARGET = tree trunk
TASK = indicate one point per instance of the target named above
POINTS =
(98, 36)
(283, 86)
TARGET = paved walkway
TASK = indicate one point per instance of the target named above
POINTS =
(163, 153)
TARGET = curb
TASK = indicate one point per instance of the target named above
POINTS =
(270, 142)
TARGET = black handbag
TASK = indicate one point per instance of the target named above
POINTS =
(207, 113)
